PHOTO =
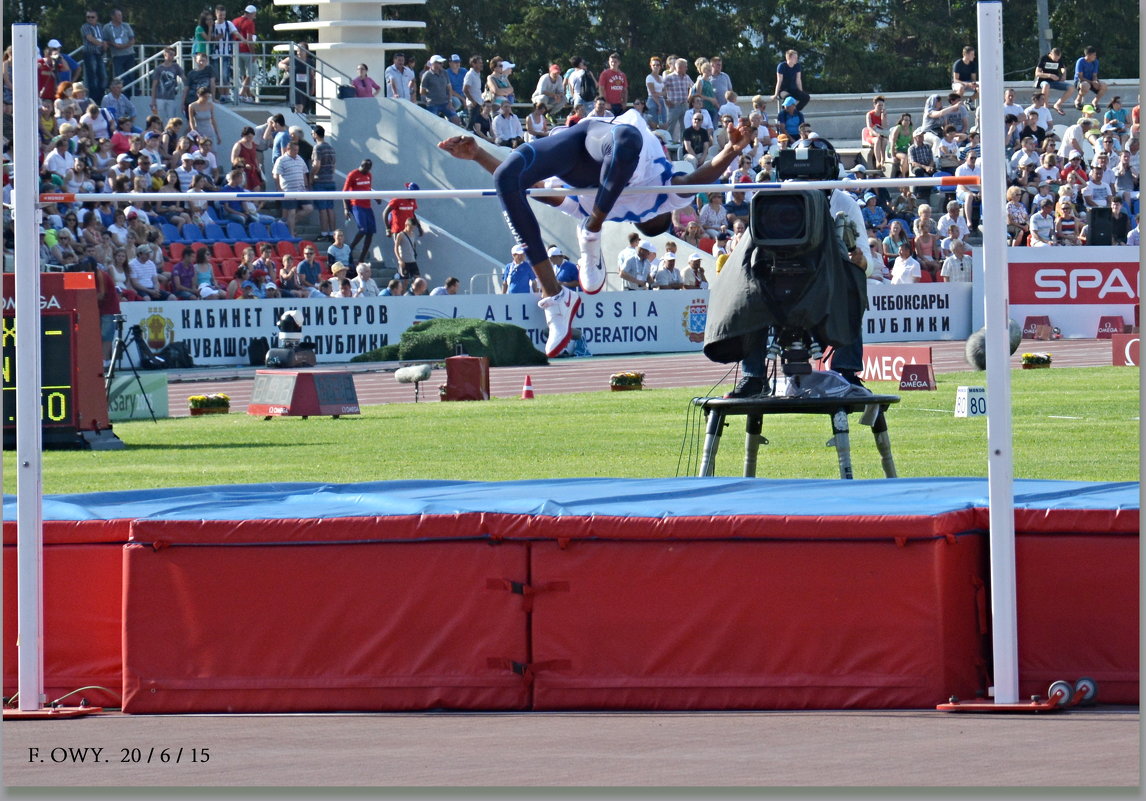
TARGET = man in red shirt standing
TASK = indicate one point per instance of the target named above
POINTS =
(245, 23)
(399, 210)
(360, 180)
(45, 79)
(614, 85)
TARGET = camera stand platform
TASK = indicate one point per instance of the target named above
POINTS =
(754, 409)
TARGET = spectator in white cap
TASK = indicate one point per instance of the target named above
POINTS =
(436, 90)
(565, 270)
(245, 24)
(457, 78)
(667, 275)
(518, 275)
(692, 277)
(63, 66)
(1075, 136)
(637, 271)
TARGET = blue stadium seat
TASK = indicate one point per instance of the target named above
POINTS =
(171, 233)
(236, 232)
(257, 232)
(907, 229)
(281, 231)
(214, 233)
(192, 233)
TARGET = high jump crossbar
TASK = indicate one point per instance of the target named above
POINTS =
(465, 194)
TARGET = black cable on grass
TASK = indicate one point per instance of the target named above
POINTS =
(691, 442)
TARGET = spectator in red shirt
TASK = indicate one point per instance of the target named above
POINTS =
(45, 79)
(245, 24)
(614, 85)
(360, 180)
(399, 210)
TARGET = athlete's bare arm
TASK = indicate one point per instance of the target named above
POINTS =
(710, 172)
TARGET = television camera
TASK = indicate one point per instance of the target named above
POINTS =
(812, 295)
(292, 350)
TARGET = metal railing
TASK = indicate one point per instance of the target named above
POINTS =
(272, 72)
(486, 279)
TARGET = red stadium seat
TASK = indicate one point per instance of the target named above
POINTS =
(283, 247)
(705, 244)
(222, 250)
(175, 250)
(226, 270)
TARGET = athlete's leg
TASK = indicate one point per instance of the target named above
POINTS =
(533, 162)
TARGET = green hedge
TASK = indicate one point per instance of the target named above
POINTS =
(504, 344)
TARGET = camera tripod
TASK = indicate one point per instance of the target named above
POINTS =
(118, 351)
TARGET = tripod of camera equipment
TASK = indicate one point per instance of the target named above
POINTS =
(118, 351)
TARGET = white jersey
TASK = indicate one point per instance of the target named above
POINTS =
(653, 169)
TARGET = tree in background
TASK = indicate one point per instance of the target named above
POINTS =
(845, 45)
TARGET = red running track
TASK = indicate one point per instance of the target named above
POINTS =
(375, 382)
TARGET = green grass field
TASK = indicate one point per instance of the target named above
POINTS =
(1068, 423)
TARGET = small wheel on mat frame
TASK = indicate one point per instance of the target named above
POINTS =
(1087, 688)
(1063, 687)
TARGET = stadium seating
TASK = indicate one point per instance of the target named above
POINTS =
(280, 230)
(191, 233)
(215, 233)
(222, 250)
(171, 233)
(259, 232)
(907, 229)
(175, 249)
(226, 270)
(236, 232)
(283, 247)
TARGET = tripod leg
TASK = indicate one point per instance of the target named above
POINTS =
(883, 444)
(139, 381)
(752, 439)
(711, 442)
(843, 441)
(118, 349)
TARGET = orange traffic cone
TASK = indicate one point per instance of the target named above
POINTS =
(527, 389)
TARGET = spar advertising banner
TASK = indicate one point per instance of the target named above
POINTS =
(1074, 286)
(219, 332)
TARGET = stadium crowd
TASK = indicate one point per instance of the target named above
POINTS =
(1061, 168)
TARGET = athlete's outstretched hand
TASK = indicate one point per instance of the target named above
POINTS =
(738, 137)
(462, 147)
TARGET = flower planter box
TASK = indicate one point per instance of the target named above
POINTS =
(624, 387)
(1035, 366)
(210, 410)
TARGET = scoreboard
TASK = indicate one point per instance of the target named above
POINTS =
(57, 332)
(73, 400)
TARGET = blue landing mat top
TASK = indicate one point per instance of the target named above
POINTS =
(625, 497)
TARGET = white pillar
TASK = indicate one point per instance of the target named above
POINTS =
(29, 520)
(1000, 466)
